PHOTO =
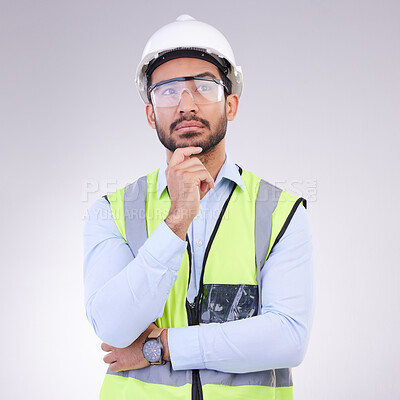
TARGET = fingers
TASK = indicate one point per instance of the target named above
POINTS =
(106, 347)
(110, 358)
(115, 367)
(188, 181)
(205, 177)
(209, 180)
(192, 165)
(189, 162)
(201, 175)
(180, 161)
(181, 154)
(203, 187)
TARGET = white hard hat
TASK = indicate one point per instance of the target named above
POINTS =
(188, 33)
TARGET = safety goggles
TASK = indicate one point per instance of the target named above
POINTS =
(202, 91)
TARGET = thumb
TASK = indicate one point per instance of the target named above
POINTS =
(115, 367)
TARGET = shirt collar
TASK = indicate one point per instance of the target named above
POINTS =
(229, 170)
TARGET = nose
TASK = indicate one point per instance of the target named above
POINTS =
(187, 103)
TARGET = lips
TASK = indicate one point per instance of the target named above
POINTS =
(188, 125)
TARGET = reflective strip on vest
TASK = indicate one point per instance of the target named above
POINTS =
(126, 385)
(254, 221)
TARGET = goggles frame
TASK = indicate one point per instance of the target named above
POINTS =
(187, 78)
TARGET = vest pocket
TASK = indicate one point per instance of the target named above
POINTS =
(222, 303)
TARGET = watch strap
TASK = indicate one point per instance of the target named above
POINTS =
(155, 333)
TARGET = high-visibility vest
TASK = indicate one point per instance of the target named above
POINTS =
(251, 222)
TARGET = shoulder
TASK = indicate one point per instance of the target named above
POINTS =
(300, 223)
(297, 237)
(99, 218)
(100, 209)
(253, 179)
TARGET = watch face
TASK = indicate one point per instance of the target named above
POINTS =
(152, 350)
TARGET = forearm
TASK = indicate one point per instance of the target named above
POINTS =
(124, 295)
(259, 343)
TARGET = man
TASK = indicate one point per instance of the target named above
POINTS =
(199, 281)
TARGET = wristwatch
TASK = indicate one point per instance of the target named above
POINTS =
(153, 350)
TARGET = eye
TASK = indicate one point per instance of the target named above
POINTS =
(168, 91)
(204, 87)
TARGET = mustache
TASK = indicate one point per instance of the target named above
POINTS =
(189, 118)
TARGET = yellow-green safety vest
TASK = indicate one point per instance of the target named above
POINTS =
(251, 222)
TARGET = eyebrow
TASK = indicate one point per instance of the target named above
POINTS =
(204, 74)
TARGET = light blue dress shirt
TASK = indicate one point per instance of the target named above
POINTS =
(123, 294)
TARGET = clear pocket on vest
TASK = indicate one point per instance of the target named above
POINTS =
(222, 303)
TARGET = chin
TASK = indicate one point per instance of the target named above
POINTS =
(189, 135)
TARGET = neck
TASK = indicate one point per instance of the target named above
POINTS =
(214, 159)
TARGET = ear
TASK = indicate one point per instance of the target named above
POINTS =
(231, 104)
(150, 115)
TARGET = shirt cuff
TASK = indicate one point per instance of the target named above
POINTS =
(184, 348)
(165, 247)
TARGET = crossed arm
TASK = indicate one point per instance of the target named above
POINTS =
(124, 296)
(131, 357)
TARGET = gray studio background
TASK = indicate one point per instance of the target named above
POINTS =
(319, 116)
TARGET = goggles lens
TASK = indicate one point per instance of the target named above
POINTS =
(202, 90)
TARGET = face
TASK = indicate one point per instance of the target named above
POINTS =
(190, 124)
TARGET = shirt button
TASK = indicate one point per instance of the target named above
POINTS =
(199, 243)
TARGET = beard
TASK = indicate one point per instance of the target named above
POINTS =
(207, 144)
